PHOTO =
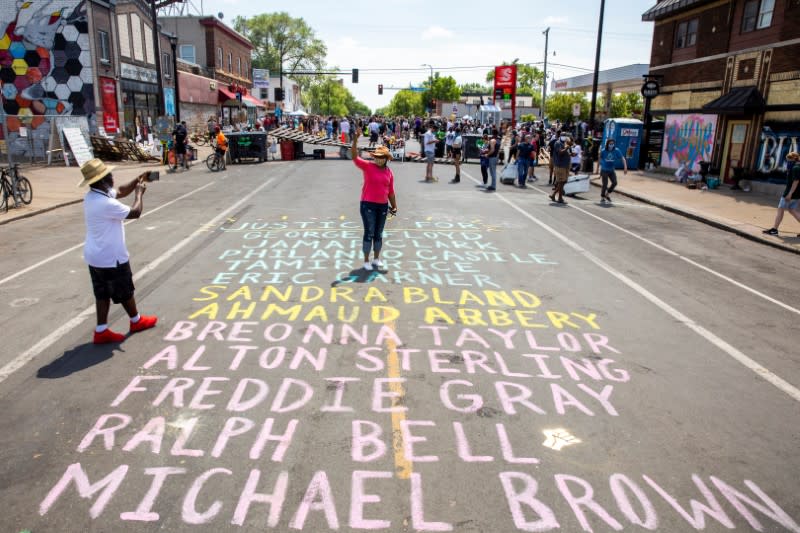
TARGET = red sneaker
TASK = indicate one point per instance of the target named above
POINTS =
(107, 337)
(145, 322)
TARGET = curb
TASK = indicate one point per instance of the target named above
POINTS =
(704, 219)
(40, 211)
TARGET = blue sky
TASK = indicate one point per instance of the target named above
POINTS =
(461, 39)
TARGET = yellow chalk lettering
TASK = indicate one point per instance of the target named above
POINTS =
(317, 312)
(311, 293)
(589, 319)
(242, 292)
(210, 312)
(372, 293)
(526, 299)
(468, 297)
(524, 318)
(237, 311)
(348, 319)
(499, 298)
(343, 293)
(414, 295)
(212, 295)
(382, 314)
(432, 314)
(471, 317)
(292, 312)
(438, 299)
(273, 290)
(559, 319)
(500, 318)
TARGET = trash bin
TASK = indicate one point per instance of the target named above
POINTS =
(298, 150)
(287, 150)
(471, 148)
(247, 145)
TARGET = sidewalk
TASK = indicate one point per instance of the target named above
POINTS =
(745, 213)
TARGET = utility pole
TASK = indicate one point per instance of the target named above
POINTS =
(157, 48)
(546, 34)
(597, 64)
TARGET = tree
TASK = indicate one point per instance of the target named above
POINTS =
(327, 98)
(624, 105)
(444, 89)
(559, 106)
(283, 43)
(404, 103)
(475, 88)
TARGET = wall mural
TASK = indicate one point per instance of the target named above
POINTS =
(45, 70)
(688, 139)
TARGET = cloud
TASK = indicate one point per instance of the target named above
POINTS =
(436, 32)
(555, 20)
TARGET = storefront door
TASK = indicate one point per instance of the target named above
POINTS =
(733, 154)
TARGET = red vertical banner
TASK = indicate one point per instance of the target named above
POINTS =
(505, 82)
(108, 94)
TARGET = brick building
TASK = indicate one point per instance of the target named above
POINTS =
(730, 82)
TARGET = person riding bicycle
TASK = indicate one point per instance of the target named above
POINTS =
(180, 133)
(222, 146)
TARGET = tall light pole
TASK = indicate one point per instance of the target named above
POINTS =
(431, 82)
(597, 64)
(546, 34)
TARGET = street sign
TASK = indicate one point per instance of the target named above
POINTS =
(417, 89)
(576, 109)
(650, 89)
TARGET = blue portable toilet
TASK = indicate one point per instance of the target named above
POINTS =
(628, 134)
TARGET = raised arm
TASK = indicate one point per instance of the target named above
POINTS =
(354, 146)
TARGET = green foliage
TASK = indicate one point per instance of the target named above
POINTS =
(444, 89)
(405, 103)
(327, 96)
(559, 106)
(475, 88)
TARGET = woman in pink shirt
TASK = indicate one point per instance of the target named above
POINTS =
(376, 195)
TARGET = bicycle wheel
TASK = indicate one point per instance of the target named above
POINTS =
(212, 162)
(24, 190)
(4, 196)
(172, 160)
(201, 140)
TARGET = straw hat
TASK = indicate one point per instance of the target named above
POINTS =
(793, 156)
(93, 171)
(382, 151)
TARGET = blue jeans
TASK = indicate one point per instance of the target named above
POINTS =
(373, 216)
(493, 171)
(523, 165)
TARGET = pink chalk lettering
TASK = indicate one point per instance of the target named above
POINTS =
(189, 512)
(586, 500)
(475, 401)
(168, 355)
(349, 331)
(274, 499)
(507, 337)
(437, 362)
(404, 354)
(525, 498)
(178, 448)
(272, 357)
(204, 390)
(535, 346)
(233, 427)
(133, 387)
(106, 487)
(771, 510)
(597, 341)
(386, 335)
(359, 498)
(181, 331)
(468, 335)
(213, 328)
(191, 364)
(464, 450)
(283, 439)
(542, 364)
(409, 439)
(587, 368)
(504, 368)
(508, 451)
(563, 399)
(378, 396)
(435, 332)
(418, 521)
(283, 391)
(568, 341)
(314, 330)
(318, 497)
(697, 519)
(144, 511)
(239, 404)
(239, 328)
(338, 396)
(241, 351)
(152, 432)
(366, 354)
(473, 359)
(602, 397)
(362, 440)
(616, 374)
(508, 401)
(277, 332)
(620, 486)
(107, 433)
(301, 354)
(175, 387)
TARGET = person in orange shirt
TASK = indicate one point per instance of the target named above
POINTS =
(222, 146)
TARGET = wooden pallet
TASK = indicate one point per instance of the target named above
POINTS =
(292, 134)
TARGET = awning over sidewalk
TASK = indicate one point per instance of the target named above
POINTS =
(737, 101)
(666, 7)
(225, 94)
(255, 101)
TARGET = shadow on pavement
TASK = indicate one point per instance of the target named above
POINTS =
(77, 359)
(359, 275)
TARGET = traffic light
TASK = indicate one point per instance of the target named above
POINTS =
(355, 75)
(278, 94)
(498, 96)
(380, 88)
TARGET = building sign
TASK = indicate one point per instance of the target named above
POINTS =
(108, 94)
(260, 78)
(505, 82)
(777, 140)
(132, 72)
(628, 132)
(650, 89)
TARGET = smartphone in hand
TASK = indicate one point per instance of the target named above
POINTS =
(153, 175)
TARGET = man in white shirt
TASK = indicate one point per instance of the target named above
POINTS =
(429, 141)
(344, 126)
(104, 249)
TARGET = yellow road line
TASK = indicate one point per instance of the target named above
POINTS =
(402, 465)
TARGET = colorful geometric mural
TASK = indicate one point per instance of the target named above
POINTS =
(688, 139)
(45, 69)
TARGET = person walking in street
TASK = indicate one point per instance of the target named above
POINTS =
(344, 125)
(535, 143)
(551, 149)
(609, 157)
(179, 135)
(492, 156)
(104, 249)
(524, 154)
(377, 200)
(562, 153)
(790, 199)
(458, 142)
(429, 141)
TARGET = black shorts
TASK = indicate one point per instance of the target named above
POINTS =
(456, 151)
(180, 146)
(115, 283)
(373, 137)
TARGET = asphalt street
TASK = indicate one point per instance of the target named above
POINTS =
(517, 366)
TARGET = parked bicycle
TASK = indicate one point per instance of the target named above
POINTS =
(200, 139)
(215, 161)
(14, 186)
